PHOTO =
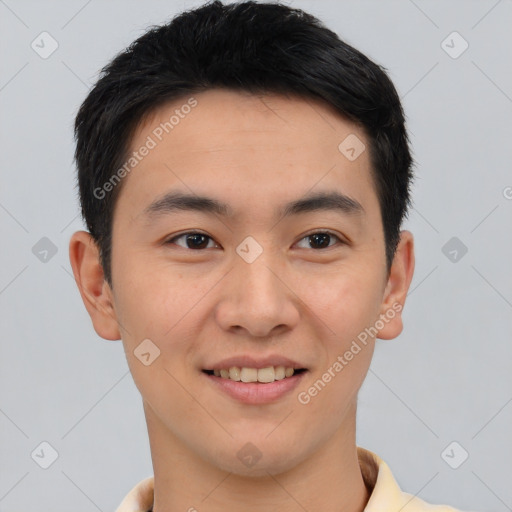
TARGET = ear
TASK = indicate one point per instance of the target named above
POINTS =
(96, 293)
(399, 280)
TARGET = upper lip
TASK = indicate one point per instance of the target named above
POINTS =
(249, 361)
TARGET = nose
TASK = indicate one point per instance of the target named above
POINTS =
(257, 298)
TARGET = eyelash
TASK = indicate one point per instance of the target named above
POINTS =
(319, 232)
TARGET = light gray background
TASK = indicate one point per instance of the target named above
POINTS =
(446, 378)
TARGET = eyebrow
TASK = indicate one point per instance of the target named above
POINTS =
(319, 201)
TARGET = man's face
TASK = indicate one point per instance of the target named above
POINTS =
(254, 284)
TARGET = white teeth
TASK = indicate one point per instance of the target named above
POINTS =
(280, 372)
(248, 375)
(234, 373)
(269, 374)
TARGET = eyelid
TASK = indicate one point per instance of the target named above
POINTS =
(324, 230)
(170, 240)
(342, 240)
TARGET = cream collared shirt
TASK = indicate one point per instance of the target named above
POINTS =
(386, 495)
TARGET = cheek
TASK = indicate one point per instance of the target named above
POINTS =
(347, 305)
(346, 302)
(149, 299)
(153, 307)
(160, 305)
(335, 384)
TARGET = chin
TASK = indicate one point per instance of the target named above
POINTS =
(256, 459)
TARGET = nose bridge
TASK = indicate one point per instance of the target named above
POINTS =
(256, 298)
(257, 286)
(259, 283)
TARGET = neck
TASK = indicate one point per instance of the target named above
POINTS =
(328, 478)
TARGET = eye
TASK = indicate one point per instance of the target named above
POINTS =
(321, 239)
(192, 240)
(196, 240)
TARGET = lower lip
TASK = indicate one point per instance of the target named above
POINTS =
(256, 393)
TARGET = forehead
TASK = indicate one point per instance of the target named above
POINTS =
(246, 147)
(246, 119)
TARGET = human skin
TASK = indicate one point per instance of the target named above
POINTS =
(199, 306)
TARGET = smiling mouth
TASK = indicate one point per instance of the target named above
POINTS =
(253, 375)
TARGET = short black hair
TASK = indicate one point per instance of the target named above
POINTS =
(246, 46)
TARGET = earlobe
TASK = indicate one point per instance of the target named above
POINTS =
(397, 286)
(96, 293)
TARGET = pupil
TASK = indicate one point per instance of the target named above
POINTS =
(195, 238)
(323, 236)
